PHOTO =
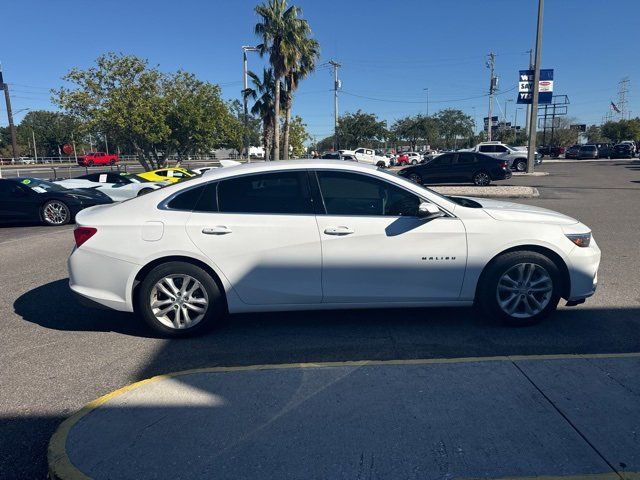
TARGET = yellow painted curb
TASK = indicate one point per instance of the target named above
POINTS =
(61, 467)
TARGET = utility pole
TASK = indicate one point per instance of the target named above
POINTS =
(245, 49)
(490, 65)
(336, 87)
(106, 144)
(526, 120)
(536, 88)
(12, 128)
(35, 149)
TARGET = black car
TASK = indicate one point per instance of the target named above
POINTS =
(33, 200)
(550, 151)
(623, 150)
(459, 167)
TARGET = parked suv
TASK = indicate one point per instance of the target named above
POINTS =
(588, 151)
(623, 150)
(516, 157)
(97, 158)
(459, 167)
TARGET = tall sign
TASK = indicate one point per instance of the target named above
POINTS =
(545, 86)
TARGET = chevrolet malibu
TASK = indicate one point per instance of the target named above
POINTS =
(322, 234)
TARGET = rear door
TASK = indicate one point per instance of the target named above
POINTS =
(439, 169)
(464, 165)
(263, 236)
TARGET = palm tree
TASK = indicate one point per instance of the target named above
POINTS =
(308, 54)
(282, 34)
(263, 94)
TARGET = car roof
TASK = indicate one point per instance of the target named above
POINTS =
(288, 165)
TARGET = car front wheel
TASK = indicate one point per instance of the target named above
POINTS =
(415, 178)
(520, 288)
(178, 299)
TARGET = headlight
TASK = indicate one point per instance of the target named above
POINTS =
(580, 239)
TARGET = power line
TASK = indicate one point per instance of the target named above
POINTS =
(452, 100)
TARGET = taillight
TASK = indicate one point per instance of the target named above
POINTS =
(504, 164)
(82, 234)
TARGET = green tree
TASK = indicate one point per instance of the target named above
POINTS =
(622, 130)
(360, 129)
(254, 122)
(282, 33)
(453, 124)
(298, 136)
(415, 129)
(152, 113)
(264, 96)
(594, 134)
(50, 129)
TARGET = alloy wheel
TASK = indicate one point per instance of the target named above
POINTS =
(481, 179)
(55, 213)
(524, 290)
(179, 301)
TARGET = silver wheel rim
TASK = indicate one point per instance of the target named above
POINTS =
(179, 301)
(521, 166)
(524, 290)
(55, 213)
(414, 178)
(482, 179)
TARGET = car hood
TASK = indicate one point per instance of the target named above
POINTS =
(517, 212)
(89, 195)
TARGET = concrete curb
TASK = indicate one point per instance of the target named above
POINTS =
(497, 191)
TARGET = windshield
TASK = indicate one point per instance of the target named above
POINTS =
(395, 175)
(41, 186)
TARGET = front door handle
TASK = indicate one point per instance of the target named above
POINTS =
(338, 230)
(217, 230)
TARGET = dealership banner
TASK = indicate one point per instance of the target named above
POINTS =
(545, 86)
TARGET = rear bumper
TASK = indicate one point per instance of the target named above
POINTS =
(101, 280)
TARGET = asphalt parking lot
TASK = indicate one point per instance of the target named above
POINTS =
(56, 355)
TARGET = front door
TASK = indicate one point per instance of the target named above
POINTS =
(263, 236)
(376, 249)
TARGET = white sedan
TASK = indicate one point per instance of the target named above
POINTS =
(322, 234)
(117, 186)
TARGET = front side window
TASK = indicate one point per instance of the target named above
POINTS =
(277, 193)
(346, 193)
(443, 160)
(501, 149)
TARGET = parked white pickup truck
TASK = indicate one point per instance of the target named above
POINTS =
(367, 155)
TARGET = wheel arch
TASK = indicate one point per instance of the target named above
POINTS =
(144, 271)
(549, 253)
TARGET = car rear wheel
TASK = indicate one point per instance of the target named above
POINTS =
(90, 163)
(520, 288)
(380, 164)
(414, 162)
(481, 179)
(112, 162)
(55, 212)
(520, 165)
(178, 299)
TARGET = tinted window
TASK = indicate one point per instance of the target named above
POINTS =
(500, 149)
(354, 194)
(466, 158)
(486, 148)
(443, 160)
(93, 177)
(188, 199)
(282, 192)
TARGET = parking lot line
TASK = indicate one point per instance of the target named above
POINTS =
(61, 467)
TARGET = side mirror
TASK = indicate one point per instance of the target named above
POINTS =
(429, 211)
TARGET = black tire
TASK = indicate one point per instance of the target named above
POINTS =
(112, 162)
(55, 213)
(414, 177)
(144, 191)
(520, 165)
(90, 163)
(380, 164)
(487, 292)
(481, 178)
(215, 310)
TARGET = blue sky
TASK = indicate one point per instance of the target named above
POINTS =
(390, 51)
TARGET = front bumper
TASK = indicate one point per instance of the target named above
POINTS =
(583, 271)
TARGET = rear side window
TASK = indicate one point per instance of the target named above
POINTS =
(487, 148)
(201, 198)
(277, 193)
(466, 158)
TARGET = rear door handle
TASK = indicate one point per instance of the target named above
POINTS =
(217, 230)
(338, 230)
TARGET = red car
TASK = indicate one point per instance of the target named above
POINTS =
(402, 159)
(97, 158)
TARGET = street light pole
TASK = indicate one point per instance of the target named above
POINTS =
(245, 49)
(536, 88)
(427, 90)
